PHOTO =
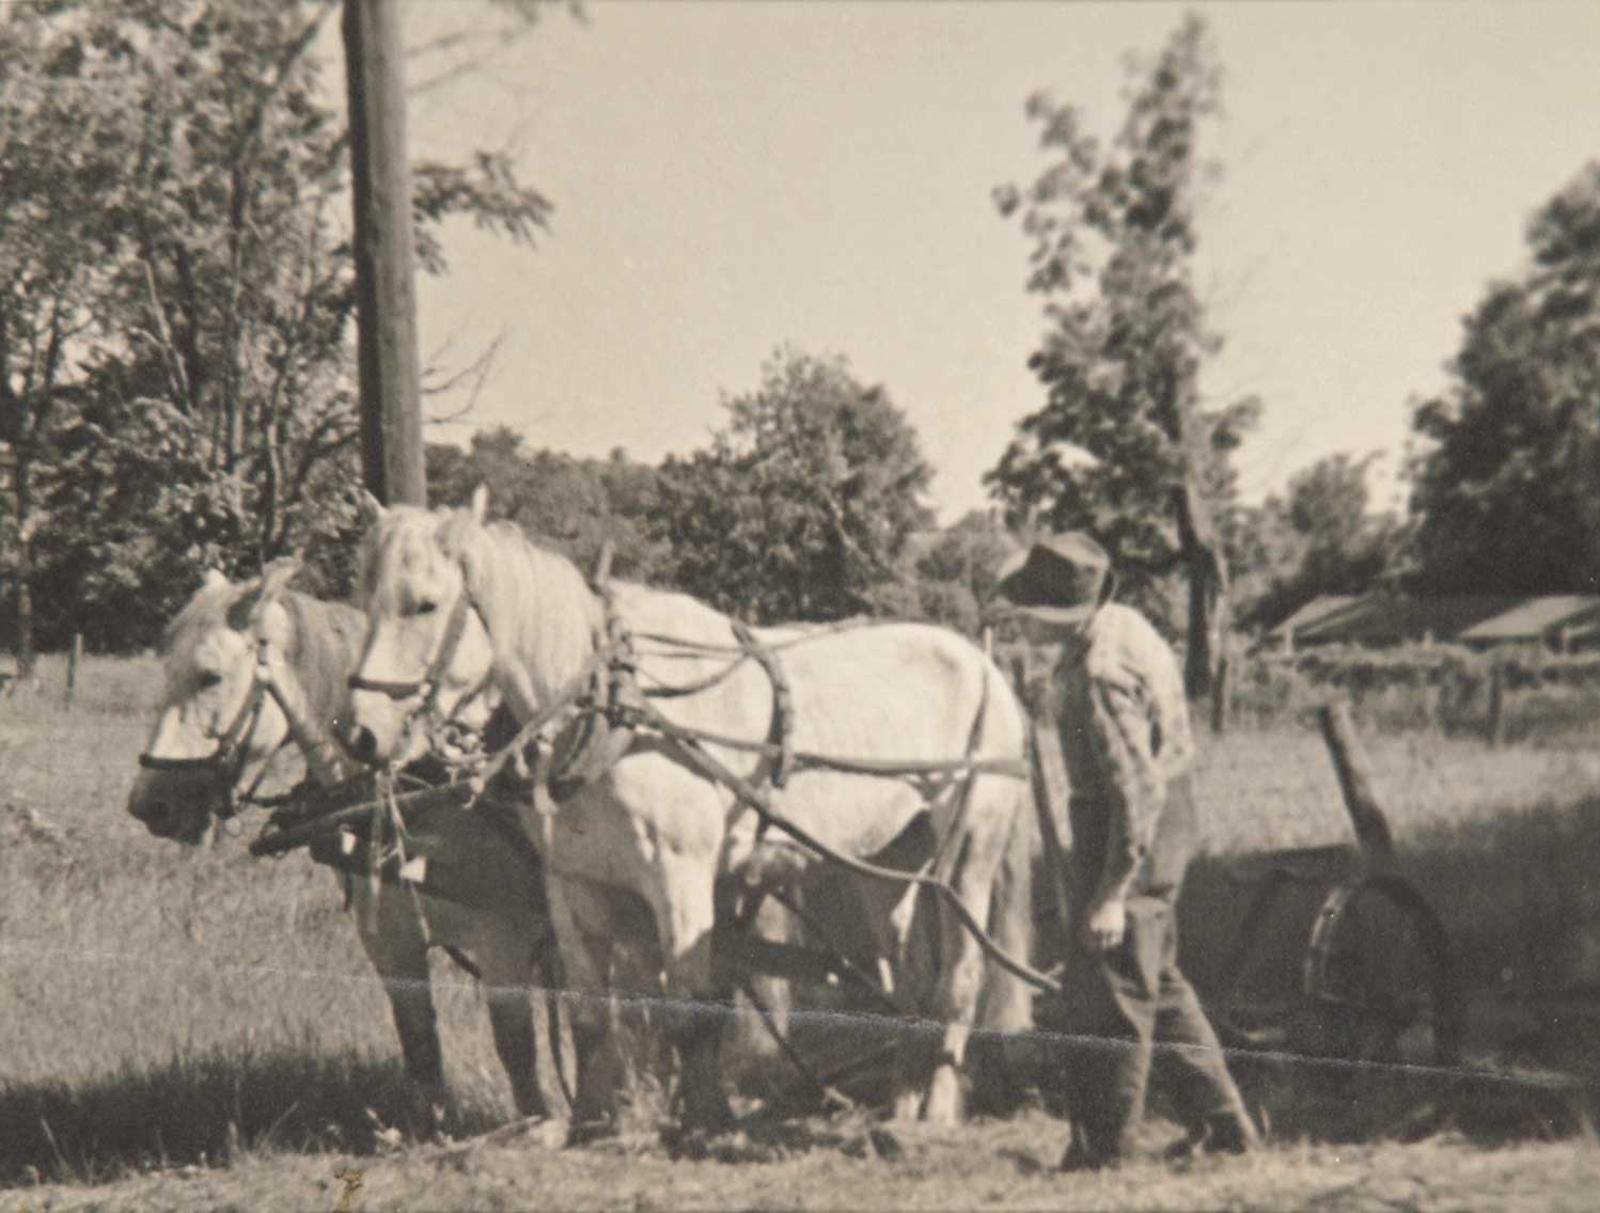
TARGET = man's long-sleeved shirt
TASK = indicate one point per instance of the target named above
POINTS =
(1124, 729)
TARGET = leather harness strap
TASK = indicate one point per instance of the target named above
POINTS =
(781, 733)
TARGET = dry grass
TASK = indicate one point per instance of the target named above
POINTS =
(156, 996)
(166, 1008)
(1501, 841)
(994, 1164)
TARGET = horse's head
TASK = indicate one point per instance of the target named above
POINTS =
(428, 656)
(217, 729)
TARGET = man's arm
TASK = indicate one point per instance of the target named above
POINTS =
(1119, 728)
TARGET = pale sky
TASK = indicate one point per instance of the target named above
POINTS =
(728, 177)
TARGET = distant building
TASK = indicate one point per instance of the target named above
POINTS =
(1561, 622)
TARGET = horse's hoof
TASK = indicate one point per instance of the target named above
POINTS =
(681, 1143)
(906, 1108)
(583, 1133)
(943, 1106)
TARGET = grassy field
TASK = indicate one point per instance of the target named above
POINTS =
(197, 1028)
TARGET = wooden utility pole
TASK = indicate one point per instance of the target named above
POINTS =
(386, 312)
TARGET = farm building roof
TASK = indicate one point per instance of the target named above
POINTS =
(1535, 618)
(1467, 619)
(1316, 611)
(1395, 619)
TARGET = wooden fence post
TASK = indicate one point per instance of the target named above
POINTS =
(1495, 726)
(74, 656)
(1354, 769)
(1222, 696)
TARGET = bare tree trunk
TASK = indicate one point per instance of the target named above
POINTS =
(1208, 590)
(22, 500)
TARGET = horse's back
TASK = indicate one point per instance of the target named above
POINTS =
(869, 688)
(903, 688)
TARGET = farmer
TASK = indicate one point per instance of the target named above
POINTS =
(1126, 741)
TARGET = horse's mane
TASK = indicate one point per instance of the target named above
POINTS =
(325, 644)
(207, 609)
(536, 602)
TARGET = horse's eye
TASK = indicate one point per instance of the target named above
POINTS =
(208, 678)
(426, 607)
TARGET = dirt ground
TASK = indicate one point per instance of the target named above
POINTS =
(840, 1165)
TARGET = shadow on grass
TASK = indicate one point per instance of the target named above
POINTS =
(205, 1110)
(1333, 1101)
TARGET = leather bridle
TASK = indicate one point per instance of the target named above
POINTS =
(226, 763)
(431, 682)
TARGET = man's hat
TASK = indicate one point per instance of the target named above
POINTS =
(1060, 579)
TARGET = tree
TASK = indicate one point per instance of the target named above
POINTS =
(64, 121)
(1504, 491)
(955, 574)
(213, 366)
(575, 505)
(802, 505)
(1114, 235)
(1319, 538)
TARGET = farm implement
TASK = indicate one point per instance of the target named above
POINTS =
(1376, 980)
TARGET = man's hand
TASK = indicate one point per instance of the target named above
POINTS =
(1105, 924)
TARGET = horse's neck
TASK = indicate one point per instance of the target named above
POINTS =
(556, 644)
(324, 651)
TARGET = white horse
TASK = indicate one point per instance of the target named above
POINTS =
(453, 603)
(218, 734)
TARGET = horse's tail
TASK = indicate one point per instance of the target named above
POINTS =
(1004, 1023)
(1007, 1004)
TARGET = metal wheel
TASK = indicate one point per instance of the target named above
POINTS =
(1381, 977)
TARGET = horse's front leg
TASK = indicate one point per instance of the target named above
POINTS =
(505, 962)
(697, 1009)
(394, 941)
(580, 914)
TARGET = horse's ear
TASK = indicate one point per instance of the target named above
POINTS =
(275, 578)
(371, 508)
(243, 608)
(480, 504)
(215, 579)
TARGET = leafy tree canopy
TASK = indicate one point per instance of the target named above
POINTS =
(575, 505)
(1319, 537)
(1123, 446)
(802, 506)
(1504, 491)
(192, 176)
